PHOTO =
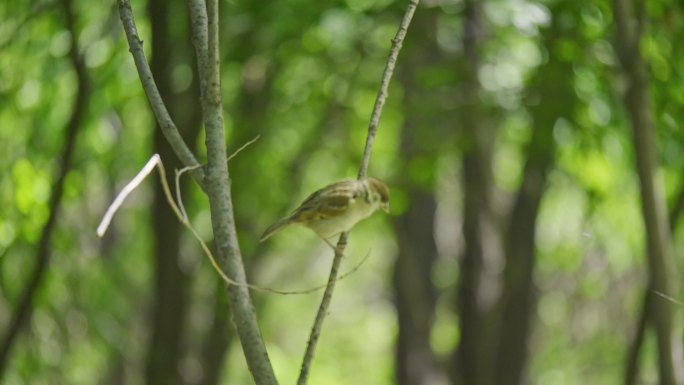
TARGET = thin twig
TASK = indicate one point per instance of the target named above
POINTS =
(667, 297)
(182, 171)
(166, 124)
(363, 169)
(384, 85)
(22, 311)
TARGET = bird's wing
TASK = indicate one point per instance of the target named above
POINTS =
(328, 202)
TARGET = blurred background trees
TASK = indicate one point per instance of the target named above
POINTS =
(520, 139)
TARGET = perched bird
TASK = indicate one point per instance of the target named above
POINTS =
(336, 208)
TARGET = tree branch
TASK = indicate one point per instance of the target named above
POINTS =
(384, 85)
(22, 312)
(218, 190)
(363, 169)
(156, 103)
(198, 18)
(215, 180)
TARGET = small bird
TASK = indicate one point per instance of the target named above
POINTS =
(336, 208)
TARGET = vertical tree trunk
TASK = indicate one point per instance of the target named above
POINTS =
(645, 321)
(662, 270)
(172, 284)
(552, 88)
(414, 292)
(518, 295)
(481, 235)
(634, 350)
(218, 339)
(415, 295)
(494, 342)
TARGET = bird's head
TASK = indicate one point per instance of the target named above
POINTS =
(380, 193)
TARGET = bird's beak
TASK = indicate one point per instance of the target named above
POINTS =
(385, 207)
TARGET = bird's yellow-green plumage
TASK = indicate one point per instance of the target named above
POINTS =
(336, 208)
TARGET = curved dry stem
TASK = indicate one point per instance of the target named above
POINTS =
(179, 173)
(177, 208)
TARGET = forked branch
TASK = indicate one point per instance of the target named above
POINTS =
(167, 125)
(214, 180)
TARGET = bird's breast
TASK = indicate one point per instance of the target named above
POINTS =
(356, 211)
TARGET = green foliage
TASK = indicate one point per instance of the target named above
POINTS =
(304, 75)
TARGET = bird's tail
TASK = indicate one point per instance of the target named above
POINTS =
(275, 227)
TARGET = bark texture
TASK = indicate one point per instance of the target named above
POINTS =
(219, 190)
